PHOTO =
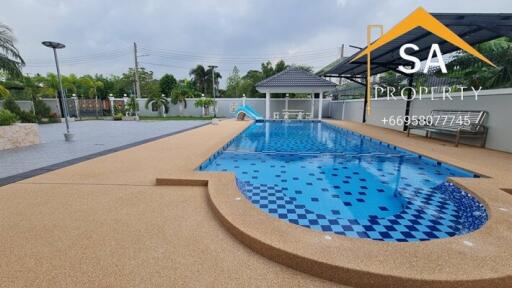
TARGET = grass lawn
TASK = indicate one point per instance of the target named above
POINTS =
(169, 117)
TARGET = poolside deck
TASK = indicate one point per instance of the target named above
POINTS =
(104, 222)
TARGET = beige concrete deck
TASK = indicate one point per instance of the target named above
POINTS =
(104, 223)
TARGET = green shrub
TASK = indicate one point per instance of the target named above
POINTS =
(132, 106)
(119, 109)
(27, 117)
(7, 117)
(118, 117)
(10, 104)
(42, 110)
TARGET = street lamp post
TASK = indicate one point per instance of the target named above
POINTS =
(68, 136)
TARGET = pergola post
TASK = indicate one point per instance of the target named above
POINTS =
(312, 104)
(267, 105)
(320, 98)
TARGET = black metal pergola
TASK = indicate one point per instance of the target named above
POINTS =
(473, 28)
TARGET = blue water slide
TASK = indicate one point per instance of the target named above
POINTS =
(247, 110)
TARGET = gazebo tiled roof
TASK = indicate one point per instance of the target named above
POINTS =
(295, 77)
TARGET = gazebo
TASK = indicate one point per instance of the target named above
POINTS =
(295, 80)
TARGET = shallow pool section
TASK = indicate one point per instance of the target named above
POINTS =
(329, 179)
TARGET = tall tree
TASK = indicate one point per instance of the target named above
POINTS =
(167, 83)
(280, 66)
(10, 58)
(208, 81)
(127, 82)
(267, 69)
(182, 91)
(199, 78)
(233, 83)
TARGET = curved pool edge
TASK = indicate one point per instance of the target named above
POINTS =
(368, 263)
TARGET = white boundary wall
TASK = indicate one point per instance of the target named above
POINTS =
(227, 106)
(497, 102)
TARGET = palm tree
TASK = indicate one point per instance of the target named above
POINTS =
(183, 91)
(160, 102)
(199, 77)
(10, 58)
(91, 85)
(208, 80)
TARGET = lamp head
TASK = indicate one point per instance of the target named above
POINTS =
(52, 44)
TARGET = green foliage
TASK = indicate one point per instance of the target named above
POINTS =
(181, 92)
(10, 58)
(118, 117)
(10, 104)
(202, 79)
(7, 117)
(198, 75)
(252, 77)
(152, 89)
(159, 101)
(23, 116)
(204, 102)
(4, 93)
(119, 109)
(27, 117)
(306, 68)
(234, 82)
(132, 105)
(167, 84)
(41, 109)
(391, 79)
(471, 71)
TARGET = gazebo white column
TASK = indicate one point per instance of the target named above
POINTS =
(267, 105)
(286, 102)
(320, 106)
(312, 104)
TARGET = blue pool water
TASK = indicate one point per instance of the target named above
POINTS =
(329, 179)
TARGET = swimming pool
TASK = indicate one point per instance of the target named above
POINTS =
(326, 178)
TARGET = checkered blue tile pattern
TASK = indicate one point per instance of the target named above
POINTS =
(385, 194)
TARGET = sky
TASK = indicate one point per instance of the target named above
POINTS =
(174, 36)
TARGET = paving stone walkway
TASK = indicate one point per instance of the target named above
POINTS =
(92, 139)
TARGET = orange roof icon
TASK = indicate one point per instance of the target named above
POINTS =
(421, 18)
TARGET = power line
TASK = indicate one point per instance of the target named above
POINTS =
(239, 59)
(188, 53)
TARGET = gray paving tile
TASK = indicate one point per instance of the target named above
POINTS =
(92, 139)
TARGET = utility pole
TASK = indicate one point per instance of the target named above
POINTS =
(213, 89)
(137, 83)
